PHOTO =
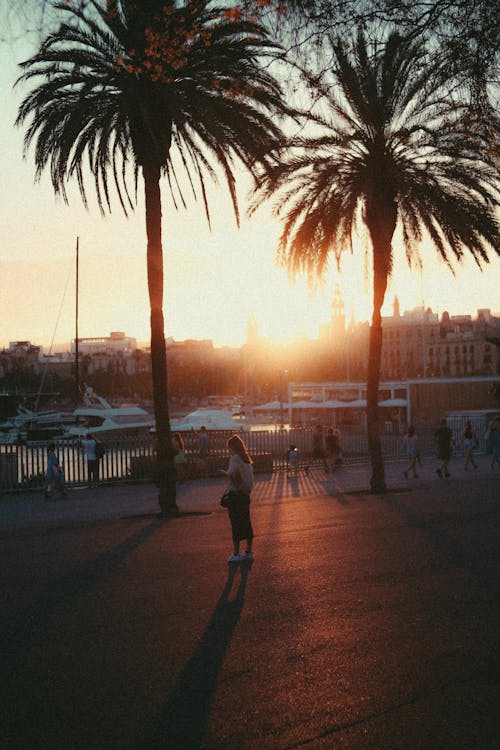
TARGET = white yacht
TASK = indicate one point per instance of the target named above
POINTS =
(213, 419)
(105, 421)
(34, 425)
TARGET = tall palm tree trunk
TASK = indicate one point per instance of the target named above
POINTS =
(165, 466)
(381, 217)
(377, 480)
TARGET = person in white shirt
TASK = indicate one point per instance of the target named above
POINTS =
(89, 448)
(240, 473)
(411, 443)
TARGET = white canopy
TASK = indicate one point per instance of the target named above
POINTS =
(329, 404)
(359, 403)
(307, 405)
(393, 402)
(271, 406)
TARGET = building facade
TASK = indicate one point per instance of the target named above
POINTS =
(418, 344)
(110, 345)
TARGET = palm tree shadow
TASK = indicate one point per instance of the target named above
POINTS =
(181, 723)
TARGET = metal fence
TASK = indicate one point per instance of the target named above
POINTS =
(23, 466)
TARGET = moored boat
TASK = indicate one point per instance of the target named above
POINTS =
(212, 419)
(105, 421)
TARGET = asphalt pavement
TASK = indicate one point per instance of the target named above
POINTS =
(363, 622)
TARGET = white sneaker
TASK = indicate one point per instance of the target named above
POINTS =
(234, 558)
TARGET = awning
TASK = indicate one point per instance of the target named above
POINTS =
(307, 404)
(271, 406)
(360, 403)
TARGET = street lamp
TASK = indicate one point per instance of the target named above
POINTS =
(282, 372)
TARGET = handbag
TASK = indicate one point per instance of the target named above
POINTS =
(226, 499)
(229, 498)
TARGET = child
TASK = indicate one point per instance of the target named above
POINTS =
(293, 457)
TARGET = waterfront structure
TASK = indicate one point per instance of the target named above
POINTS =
(419, 401)
(343, 403)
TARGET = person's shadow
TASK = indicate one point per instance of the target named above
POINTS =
(293, 484)
(181, 723)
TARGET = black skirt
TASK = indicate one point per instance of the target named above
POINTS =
(239, 515)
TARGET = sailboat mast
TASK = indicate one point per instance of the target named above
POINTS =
(77, 374)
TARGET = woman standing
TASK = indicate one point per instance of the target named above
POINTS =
(237, 499)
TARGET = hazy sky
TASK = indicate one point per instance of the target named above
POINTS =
(213, 280)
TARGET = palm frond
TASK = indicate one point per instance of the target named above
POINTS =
(100, 104)
(394, 145)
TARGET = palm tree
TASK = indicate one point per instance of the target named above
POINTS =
(151, 87)
(392, 152)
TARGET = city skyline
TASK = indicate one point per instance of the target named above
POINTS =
(411, 317)
(214, 281)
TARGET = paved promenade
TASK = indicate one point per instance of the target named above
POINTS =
(364, 621)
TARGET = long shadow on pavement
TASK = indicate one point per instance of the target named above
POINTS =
(181, 724)
(72, 584)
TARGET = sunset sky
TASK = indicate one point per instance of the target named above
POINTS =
(214, 280)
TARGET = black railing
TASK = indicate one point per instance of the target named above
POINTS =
(23, 466)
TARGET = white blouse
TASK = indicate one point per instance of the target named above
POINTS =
(239, 469)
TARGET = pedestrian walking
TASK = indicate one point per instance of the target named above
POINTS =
(410, 441)
(469, 441)
(318, 450)
(444, 438)
(493, 435)
(237, 498)
(89, 447)
(54, 477)
(332, 447)
(180, 459)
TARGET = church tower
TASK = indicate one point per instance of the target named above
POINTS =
(338, 313)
